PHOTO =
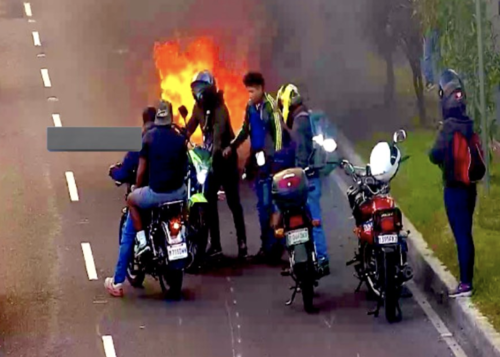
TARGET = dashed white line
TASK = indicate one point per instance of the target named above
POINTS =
(109, 347)
(27, 9)
(36, 38)
(89, 261)
(45, 77)
(56, 118)
(73, 191)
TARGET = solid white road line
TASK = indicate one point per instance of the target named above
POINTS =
(36, 38)
(109, 347)
(73, 191)
(27, 9)
(46, 78)
(89, 261)
(421, 299)
(56, 118)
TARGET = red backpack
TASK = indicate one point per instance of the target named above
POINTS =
(468, 157)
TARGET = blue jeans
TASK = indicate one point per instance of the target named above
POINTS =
(126, 250)
(431, 56)
(265, 209)
(313, 202)
(146, 198)
(460, 204)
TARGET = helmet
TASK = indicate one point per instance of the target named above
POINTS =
(452, 94)
(288, 97)
(164, 115)
(384, 161)
(203, 85)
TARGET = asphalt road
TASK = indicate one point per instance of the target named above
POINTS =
(48, 304)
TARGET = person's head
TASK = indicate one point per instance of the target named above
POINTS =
(148, 118)
(288, 98)
(204, 88)
(255, 84)
(164, 115)
(452, 94)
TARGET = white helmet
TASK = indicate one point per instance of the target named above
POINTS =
(384, 161)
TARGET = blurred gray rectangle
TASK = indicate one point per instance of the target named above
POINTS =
(94, 139)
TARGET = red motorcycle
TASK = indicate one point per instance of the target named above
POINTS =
(381, 258)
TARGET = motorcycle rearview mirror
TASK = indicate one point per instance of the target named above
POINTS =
(399, 136)
(183, 111)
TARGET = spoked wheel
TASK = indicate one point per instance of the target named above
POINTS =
(392, 290)
(134, 275)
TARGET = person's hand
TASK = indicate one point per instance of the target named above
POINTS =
(227, 152)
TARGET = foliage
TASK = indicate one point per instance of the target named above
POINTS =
(455, 21)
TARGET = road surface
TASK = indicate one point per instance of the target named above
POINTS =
(52, 302)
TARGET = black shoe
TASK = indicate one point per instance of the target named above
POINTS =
(323, 268)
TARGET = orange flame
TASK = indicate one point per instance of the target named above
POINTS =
(177, 68)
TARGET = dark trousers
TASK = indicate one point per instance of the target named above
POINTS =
(225, 175)
(460, 203)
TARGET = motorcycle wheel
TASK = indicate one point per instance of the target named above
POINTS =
(135, 278)
(391, 289)
(171, 283)
(305, 276)
(198, 237)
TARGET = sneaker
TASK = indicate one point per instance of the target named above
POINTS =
(323, 268)
(430, 86)
(113, 289)
(140, 250)
(462, 290)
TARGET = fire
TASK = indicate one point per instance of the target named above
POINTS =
(177, 68)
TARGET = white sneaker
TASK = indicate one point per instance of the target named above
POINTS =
(141, 245)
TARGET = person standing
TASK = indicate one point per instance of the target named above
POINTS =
(458, 152)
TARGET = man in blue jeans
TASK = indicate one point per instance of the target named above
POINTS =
(265, 127)
(297, 118)
(163, 159)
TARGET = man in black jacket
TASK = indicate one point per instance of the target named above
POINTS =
(211, 114)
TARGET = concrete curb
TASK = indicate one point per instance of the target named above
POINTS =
(470, 328)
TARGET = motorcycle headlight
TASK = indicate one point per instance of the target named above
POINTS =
(318, 139)
(329, 145)
(202, 176)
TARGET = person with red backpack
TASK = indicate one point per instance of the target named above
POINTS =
(459, 154)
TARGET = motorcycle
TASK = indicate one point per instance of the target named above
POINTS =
(381, 257)
(294, 223)
(168, 257)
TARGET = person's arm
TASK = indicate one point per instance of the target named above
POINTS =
(243, 133)
(193, 122)
(143, 161)
(302, 135)
(125, 172)
(438, 151)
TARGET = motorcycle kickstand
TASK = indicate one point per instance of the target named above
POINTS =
(294, 293)
(376, 311)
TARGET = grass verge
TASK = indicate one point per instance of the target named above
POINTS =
(418, 190)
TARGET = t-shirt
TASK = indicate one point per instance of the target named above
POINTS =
(166, 153)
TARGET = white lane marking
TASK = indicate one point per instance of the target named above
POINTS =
(56, 118)
(89, 261)
(27, 9)
(36, 38)
(73, 191)
(45, 77)
(421, 300)
(109, 347)
(446, 335)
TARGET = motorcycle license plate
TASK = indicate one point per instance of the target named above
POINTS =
(388, 239)
(297, 237)
(177, 251)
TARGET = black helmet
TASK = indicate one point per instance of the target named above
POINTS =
(452, 94)
(203, 85)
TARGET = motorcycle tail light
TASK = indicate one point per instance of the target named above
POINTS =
(295, 221)
(387, 224)
(174, 226)
(388, 221)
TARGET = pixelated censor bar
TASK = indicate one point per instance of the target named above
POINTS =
(94, 139)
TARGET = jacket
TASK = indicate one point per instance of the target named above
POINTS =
(270, 114)
(299, 122)
(220, 124)
(442, 152)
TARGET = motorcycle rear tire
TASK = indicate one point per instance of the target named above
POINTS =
(391, 289)
(171, 283)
